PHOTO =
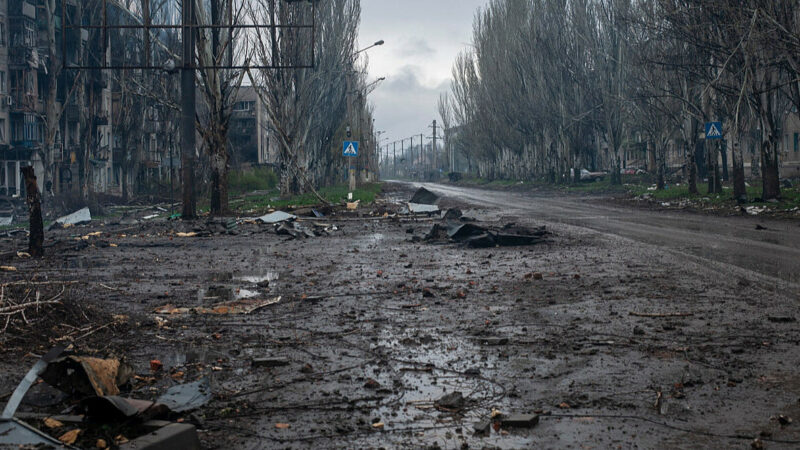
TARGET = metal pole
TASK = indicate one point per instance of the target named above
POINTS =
(188, 112)
(422, 155)
(435, 152)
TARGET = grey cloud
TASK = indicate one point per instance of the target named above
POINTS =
(404, 104)
(416, 47)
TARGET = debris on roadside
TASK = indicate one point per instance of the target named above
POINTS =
(453, 401)
(519, 421)
(424, 197)
(477, 236)
(87, 376)
(187, 397)
(80, 217)
(276, 217)
(421, 208)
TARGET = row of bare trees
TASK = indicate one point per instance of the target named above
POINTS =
(310, 91)
(549, 86)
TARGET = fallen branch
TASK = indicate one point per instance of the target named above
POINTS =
(658, 315)
(11, 310)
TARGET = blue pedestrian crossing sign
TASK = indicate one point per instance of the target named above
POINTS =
(714, 130)
(350, 149)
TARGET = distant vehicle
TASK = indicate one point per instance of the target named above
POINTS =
(632, 171)
(592, 176)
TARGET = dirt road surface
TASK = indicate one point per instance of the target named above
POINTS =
(626, 329)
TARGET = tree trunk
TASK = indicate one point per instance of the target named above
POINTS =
(692, 169)
(769, 170)
(219, 180)
(34, 200)
(739, 187)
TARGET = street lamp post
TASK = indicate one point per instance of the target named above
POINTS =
(361, 96)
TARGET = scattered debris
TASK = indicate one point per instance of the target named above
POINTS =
(190, 234)
(424, 197)
(276, 217)
(87, 376)
(186, 397)
(520, 421)
(242, 306)
(453, 401)
(477, 236)
(352, 206)
(33, 374)
(418, 208)
(80, 217)
(282, 426)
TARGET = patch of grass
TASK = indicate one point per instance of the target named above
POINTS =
(334, 194)
(257, 179)
(790, 198)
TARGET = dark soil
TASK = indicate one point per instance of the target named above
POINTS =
(376, 327)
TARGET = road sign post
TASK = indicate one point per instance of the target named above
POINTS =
(714, 130)
(350, 150)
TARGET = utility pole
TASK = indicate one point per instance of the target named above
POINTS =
(394, 158)
(411, 162)
(188, 112)
(422, 155)
(403, 152)
(435, 152)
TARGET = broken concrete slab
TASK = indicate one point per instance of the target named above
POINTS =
(6, 221)
(424, 197)
(276, 217)
(79, 217)
(420, 208)
(520, 421)
(186, 397)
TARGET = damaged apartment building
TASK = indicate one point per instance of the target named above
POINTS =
(26, 68)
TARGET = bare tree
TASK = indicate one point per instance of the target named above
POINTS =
(307, 107)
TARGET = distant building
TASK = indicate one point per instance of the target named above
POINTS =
(251, 140)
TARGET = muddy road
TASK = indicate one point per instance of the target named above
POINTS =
(618, 332)
(773, 252)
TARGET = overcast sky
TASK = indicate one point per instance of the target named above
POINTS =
(422, 41)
